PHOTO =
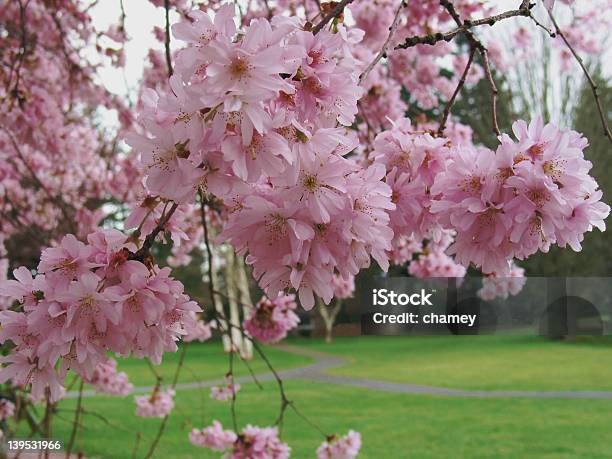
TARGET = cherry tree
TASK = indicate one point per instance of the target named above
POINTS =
(275, 139)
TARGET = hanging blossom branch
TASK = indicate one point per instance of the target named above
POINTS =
(592, 84)
(286, 402)
(175, 378)
(75, 423)
(383, 51)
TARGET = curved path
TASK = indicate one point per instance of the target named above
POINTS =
(317, 371)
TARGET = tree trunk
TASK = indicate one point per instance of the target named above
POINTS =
(329, 317)
(232, 295)
(218, 301)
(246, 350)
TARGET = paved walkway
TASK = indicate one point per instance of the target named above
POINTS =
(317, 371)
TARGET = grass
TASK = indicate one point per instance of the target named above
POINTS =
(392, 425)
(476, 362)
(205, 361)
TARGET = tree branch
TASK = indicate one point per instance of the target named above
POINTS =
(143, 252)
(460, 85)
(167, 43)
(383, 51)
(432, 39)
(335, 12)
(592, 84)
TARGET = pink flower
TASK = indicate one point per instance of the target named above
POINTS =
(343, 288)
(268, 154)
(157, 405)
(7, 409)
(494, 286)
(346, 447)
(107, 380)
(435, 264)
(227, 392)
(320, 182)
(259, 443)
(87, 307)
(213, 437)
(270, 320)
(67, 262)
(198, 330)
(23, 288)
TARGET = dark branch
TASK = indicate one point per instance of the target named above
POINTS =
(167, 44)
(334, 13)
(460, 85)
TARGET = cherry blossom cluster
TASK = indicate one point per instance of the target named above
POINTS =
(346, 447)
(226, 392)
(87, 299)
(252, 119)
(157, 405)
(213, 437)
(253, 442)
(435, 264)
(494, 286)
(197, 329)
(432, 261)
(412, 158)
(533, 192)
(270, 320)
(343, 288)
(107, 380)
(7, 409)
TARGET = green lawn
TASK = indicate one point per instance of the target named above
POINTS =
(392, 425)
(205, 361)
(476, 362)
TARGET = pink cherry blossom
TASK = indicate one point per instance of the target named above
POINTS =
(346, 447)
(270, 320)
(7, 409)
(213, 437)
(157, 405)
(107, 380)
(226, 392)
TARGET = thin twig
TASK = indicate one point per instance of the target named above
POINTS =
(77, 414)
(383, 51)
(487, 69)
(592, 84)
(476, 44)
(148, 242)
(460, 85)
(433, 38)
(162, 426)
(335, 12)
(167, 43)
(136, 445)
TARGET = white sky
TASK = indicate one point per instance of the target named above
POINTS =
(141, 17)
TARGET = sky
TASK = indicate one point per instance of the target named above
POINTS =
(141, 17)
